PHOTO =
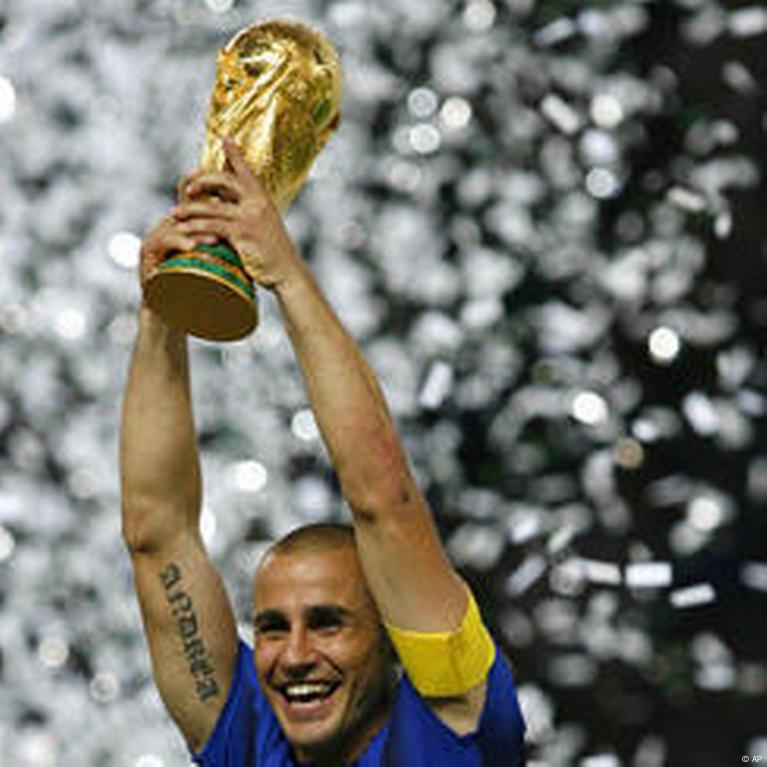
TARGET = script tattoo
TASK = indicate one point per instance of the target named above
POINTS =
(182, 610)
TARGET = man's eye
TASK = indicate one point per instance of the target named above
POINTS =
(326, 623)
(271, 629)
(329, 630)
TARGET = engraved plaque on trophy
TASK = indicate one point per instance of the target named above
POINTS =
(277, 93)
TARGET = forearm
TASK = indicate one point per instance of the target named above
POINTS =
(405, 565)
(346, 399)
(159, 465)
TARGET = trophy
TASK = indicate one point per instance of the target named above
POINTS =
(277, 93)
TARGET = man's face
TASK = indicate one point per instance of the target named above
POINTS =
(320, 651)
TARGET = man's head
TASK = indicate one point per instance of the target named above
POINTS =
(321, 652)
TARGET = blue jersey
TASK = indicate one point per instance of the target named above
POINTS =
(247, 733)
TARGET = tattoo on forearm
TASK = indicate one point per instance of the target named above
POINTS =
(182, 610)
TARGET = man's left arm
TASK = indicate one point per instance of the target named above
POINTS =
(415, 586)
(412, 580)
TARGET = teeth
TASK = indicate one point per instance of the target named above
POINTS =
(307, 690)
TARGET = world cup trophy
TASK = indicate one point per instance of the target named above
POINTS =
(277, 93)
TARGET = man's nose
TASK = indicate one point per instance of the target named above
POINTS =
(298, 654)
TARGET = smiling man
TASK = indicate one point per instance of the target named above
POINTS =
(368, 647)
(321, 654)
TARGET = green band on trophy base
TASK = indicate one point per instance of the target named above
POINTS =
(205, 293)
(183, 262)
(224, 252)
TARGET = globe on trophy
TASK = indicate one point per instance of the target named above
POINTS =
(277, 93)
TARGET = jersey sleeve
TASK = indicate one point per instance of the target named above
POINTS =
(501, 733)
(418, 738)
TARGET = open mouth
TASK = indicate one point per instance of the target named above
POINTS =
(308, 693)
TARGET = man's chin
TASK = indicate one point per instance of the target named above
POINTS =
(311, 741)
(309, 728)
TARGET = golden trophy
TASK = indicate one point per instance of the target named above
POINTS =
(278, 94)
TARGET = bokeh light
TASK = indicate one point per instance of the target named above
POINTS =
(664, 345)
(124, 249)
(7, 100)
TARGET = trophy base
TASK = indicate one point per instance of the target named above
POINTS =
(205, 293)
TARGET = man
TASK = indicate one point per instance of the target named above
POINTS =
(320, 685)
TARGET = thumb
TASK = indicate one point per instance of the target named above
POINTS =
(235, 160)
(238, 165)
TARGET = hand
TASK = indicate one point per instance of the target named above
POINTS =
(233, 206)
(163, 240)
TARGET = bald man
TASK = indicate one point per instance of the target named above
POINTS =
(368, 647)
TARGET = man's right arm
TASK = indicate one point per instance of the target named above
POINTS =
(188, 620)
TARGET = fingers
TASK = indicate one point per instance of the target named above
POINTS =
(233, 184)
(221, 185)
(206, 231)
(236, 159)
(205, 208)
(169, 237)
(165, 237)
(154, 253)
(182, 192)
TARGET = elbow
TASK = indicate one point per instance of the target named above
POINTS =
(137, 531)
(378, 482)
(383, 499)
(149, 527)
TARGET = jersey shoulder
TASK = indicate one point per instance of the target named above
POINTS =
(417, 736)
(246, 727)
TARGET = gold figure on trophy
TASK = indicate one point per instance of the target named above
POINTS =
(278, 94)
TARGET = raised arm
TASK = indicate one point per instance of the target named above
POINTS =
(411, 578)
(187, 617)
(409, 574)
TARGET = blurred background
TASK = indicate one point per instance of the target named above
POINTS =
(545, 220)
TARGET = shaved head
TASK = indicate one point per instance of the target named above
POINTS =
(316, 538)
(321, 536)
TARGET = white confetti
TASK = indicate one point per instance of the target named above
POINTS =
(693, 596)
(648, 575)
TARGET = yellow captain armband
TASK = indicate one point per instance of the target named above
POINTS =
(446, 664)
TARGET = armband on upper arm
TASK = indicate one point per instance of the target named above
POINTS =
(446, 664)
